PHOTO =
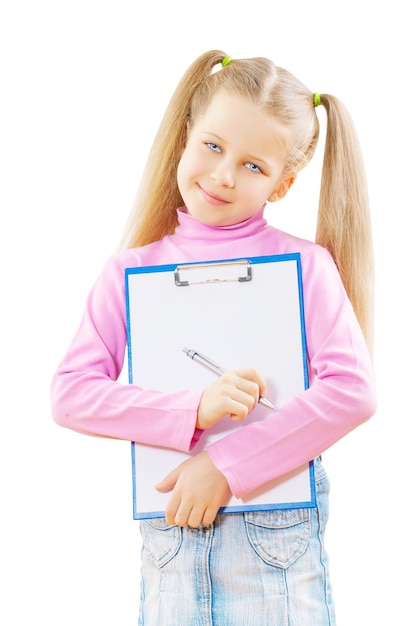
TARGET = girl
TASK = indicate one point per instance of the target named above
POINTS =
(230, 141)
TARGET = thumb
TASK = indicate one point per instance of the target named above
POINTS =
(168, 483)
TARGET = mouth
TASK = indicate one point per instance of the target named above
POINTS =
(212, 198)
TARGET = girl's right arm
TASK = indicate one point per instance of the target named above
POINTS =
(85, 394)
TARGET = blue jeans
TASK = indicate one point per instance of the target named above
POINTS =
(265, 568)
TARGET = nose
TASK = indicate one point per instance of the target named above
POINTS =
(223, 174)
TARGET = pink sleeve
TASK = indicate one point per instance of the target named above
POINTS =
(85, 394)
(341, 394)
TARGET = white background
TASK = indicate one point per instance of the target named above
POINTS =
(83, 87)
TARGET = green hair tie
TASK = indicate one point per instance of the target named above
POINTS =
(226, 60)
(316, 99)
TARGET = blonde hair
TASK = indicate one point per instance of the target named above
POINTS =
(343, 223)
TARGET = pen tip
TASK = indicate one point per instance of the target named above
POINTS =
(266, 402)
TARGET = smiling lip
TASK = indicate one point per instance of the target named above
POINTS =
(211, 198)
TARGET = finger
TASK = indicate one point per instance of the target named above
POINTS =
(182, 515)
(251, 374)
(242, 403)
(168, 483)
(239, 411)
(195, 517)
(172, 509)
(209, 515)
(241, 389)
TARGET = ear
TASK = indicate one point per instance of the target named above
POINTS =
(282, 189)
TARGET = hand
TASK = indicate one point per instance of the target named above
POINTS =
(236, 392)
(199, 489)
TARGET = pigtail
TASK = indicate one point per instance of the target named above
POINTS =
(343, 224)
(154, 212)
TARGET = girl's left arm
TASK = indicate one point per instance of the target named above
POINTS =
(341, 395)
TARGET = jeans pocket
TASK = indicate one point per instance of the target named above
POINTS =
(279, 537)
(160, 540)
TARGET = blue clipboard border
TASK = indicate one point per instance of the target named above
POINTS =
(171, 267)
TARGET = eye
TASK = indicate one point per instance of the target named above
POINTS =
(213, 146)
(252, 167)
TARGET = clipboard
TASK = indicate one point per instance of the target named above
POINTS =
(246, 311)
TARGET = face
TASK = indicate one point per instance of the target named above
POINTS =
(232, 163)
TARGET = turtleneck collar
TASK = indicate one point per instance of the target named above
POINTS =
(189, 228)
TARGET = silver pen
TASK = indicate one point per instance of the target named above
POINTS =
(219, 370)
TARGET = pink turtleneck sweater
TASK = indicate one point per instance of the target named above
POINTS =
(86, 396)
